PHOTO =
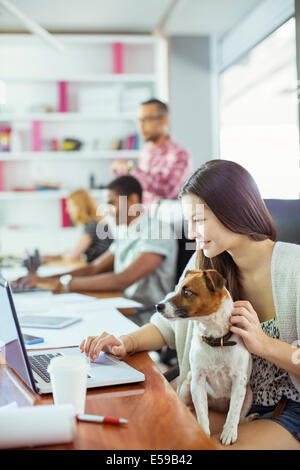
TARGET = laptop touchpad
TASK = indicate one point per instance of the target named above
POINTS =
(105, 360)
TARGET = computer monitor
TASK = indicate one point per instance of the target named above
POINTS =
(11, 340)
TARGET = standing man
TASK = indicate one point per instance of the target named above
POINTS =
(163, 164)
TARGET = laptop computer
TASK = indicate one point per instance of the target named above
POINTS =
(32, 366)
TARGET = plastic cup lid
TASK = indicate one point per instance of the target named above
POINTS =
(67, 364)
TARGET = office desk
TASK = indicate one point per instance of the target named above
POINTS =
(158, 419)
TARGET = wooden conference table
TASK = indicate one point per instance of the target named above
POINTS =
(157, 418)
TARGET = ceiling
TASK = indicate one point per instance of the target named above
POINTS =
(188, 17)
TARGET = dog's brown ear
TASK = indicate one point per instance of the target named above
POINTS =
(192, 271)
(214, 281)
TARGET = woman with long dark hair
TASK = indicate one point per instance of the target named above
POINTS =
(236, 235)
(229, 192)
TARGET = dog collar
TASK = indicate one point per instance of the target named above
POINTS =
(215, 342)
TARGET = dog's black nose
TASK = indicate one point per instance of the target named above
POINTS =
(160, 307)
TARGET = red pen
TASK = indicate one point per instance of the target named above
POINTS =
(100, 419)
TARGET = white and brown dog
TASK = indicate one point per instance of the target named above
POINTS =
(220, 363)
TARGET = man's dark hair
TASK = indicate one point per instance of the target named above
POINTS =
(162, 107)
(125, 186)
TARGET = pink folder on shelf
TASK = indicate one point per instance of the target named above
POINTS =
(65, 218)
(1, 175)
(131, 140)
(118, 57)
(36, 136)
(63, 97)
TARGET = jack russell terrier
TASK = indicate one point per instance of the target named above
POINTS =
(220, 363)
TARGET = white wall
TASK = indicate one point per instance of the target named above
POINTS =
(48, 241)
(193, 96)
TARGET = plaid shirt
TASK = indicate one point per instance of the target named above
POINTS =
(162, 170)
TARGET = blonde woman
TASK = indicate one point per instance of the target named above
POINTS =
(82, 210)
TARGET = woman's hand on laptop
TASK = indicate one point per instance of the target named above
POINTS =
(93, 345)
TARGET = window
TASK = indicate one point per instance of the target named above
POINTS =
(259, 114)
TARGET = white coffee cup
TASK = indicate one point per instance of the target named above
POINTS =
(68, 375)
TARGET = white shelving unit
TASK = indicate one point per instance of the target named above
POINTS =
(29, 76)
(66, 117)
(101, 78)
(68, 155)
(45, 194)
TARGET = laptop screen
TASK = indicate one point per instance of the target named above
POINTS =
(11, 341)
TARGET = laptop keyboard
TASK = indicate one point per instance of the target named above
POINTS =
(39, 363)
(21, 290)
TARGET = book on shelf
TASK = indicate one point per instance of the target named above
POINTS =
(41, 187)
(130, 142)
(117, 144)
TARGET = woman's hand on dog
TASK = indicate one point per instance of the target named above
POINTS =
(245, 323)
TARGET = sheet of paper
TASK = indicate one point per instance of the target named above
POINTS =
(25, 426)
(47, 303)
(11, 274)
(93, 323)
(11, 406)
(32, 302)
(73, 297)
(120, 302)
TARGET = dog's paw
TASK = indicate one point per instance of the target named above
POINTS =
(229, 434)
(206, 430)
(205, 426)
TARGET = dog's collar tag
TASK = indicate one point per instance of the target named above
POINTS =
(216, 342)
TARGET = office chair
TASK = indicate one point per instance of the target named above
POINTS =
(286, 214)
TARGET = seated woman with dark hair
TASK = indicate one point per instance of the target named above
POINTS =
(236, 235)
